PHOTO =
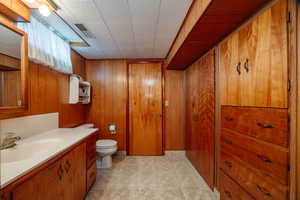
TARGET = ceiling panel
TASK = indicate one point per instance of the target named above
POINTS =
(125, 28)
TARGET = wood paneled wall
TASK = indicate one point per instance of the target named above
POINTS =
(175, 110)
(48, 93)
(109, 98)
(200, 116)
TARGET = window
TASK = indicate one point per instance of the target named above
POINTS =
(47, 48)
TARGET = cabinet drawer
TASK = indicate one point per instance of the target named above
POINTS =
(268, 124)
(91, 176)
(267, 158)
(231, 190)
(259, 186)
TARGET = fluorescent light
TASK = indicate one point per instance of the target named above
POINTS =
(44, 10)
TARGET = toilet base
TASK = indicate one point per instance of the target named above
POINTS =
(104, 162)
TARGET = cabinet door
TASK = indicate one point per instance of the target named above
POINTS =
(79, 172)
(230, 71)
(261, 48)
(45, 185)
(266, 51)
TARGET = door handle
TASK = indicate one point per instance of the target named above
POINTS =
(158, 114)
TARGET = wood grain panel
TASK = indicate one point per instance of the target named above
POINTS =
(78, 64)
(48, 93)
(258, 185)
(175, 111)
(9, 63)
(109, 98)
(231, 190)
(145, 109)
(15, 10)
(200, 116)
(270, 125)
(267, 158)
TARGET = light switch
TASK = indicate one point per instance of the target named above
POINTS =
(166, 103)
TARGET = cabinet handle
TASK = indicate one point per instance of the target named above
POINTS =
(263, 158)
(67, 168)
(228, 118)
(264, 191)
(246, 65)
(264, 125)
(228, 164)
(228, 194)
(227, 141)
(238, 68)
(60, 172)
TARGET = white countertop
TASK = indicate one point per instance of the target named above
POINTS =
(36, 150)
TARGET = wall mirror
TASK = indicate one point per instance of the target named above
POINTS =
(13, 69)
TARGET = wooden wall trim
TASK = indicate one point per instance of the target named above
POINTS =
(217, 117)
(292, 61)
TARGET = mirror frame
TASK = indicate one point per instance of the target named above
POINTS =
(10, 111)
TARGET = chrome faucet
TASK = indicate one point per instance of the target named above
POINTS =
(9, 141)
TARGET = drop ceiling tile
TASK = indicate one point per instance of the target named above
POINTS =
(171, 17)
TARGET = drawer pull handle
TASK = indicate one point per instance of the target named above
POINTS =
(263, 158)
(246, 65)
(229, 118)
(60, 172)
(264, 125)
(238, 68)
(68, 166)
(228, 164)
(227, 141)
(228, 194)
(264, 191)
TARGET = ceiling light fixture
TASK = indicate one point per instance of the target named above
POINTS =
(44, 10)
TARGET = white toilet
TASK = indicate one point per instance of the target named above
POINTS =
(105, 149)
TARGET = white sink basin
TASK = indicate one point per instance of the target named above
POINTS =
(27, 150)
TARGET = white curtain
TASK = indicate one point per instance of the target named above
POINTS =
(46, 48)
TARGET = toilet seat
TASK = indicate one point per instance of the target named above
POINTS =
(106, 144)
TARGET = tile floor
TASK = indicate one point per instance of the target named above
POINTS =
(150, 178)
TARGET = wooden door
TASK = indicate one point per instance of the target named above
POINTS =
(145, 109)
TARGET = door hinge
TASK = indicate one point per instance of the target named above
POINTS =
(289, 19)
(289, 85)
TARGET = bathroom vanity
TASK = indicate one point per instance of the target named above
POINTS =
(61, 165)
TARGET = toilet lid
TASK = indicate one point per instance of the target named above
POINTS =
(106, 143)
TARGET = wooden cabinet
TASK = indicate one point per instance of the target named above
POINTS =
(200, 108)
(91, 161)
(254, 151)
(253, 62)
(63, 179)
(16, 10)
